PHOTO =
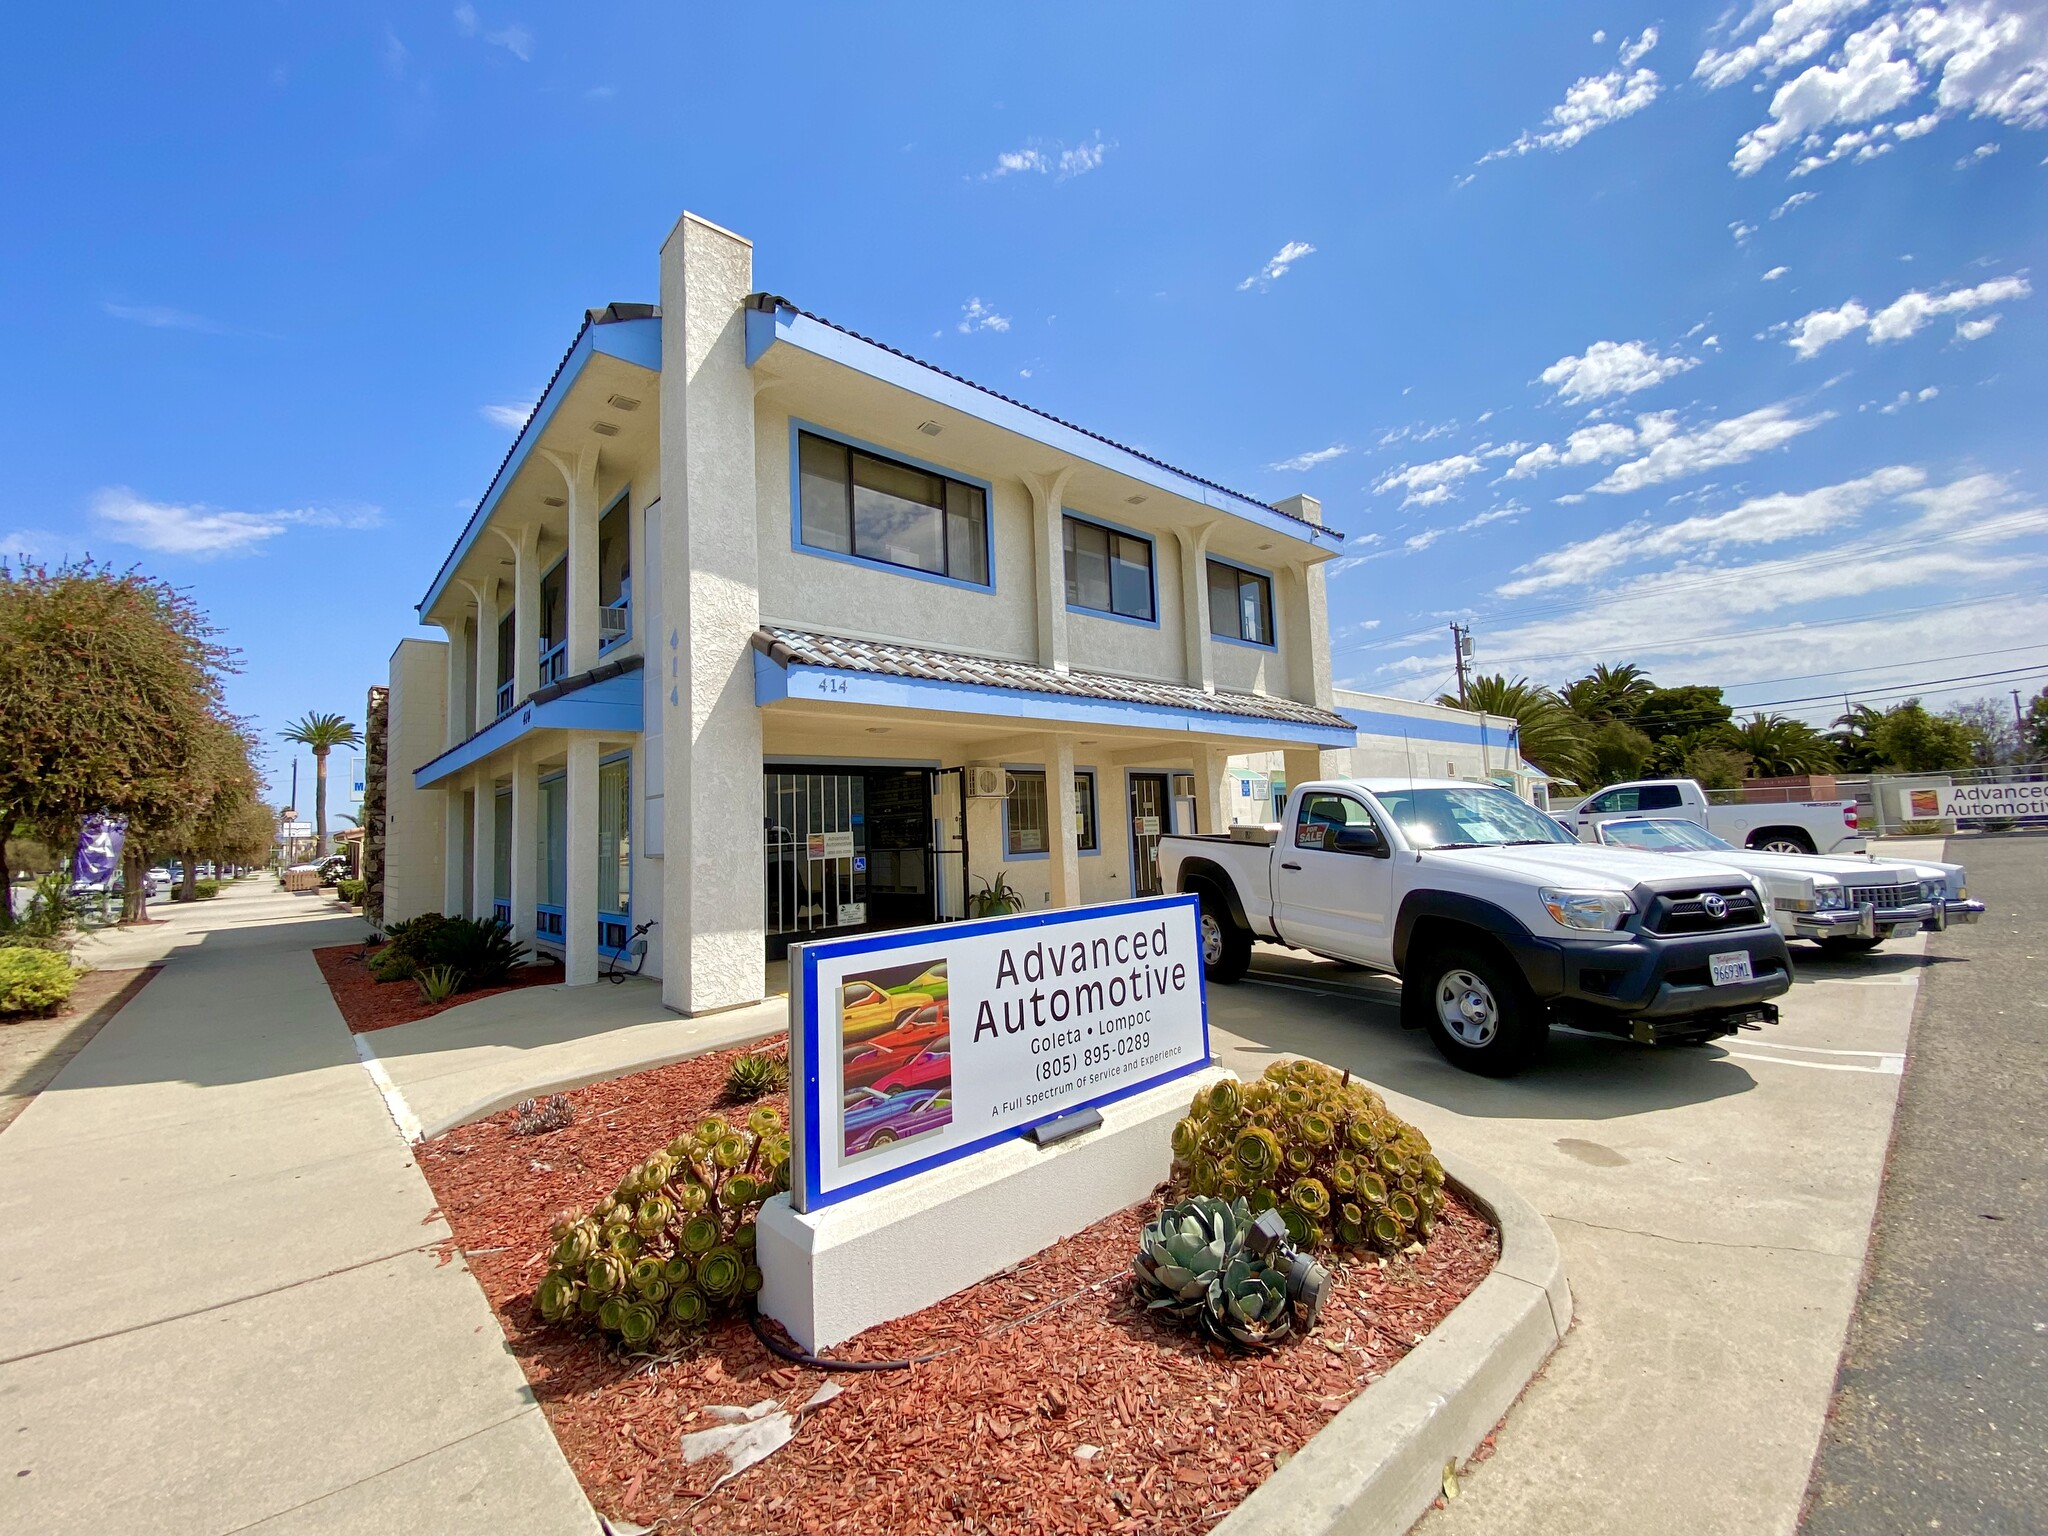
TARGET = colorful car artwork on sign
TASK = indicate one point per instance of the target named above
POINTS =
(896, 1063)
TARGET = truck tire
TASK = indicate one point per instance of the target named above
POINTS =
(1477, 1009)
(1226, 947)
(1780, 840)
(1848, 944)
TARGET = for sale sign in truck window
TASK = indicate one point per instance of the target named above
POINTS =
(911, 1049)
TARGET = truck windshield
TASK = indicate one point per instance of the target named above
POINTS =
(1661, 835)
(1467, 818)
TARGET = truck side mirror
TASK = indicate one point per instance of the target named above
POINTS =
(1361, 838)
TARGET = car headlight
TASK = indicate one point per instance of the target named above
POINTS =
(1931, 890)
(1588, 909)
(1829, 898)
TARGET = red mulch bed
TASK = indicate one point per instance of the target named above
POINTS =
(368, 1003)
(1052, 1358)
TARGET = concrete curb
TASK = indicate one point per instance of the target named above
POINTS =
(1375, 1468)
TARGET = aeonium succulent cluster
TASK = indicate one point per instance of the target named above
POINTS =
(1324, 1150)
(674, 1243)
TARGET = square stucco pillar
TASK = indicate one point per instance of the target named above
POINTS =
(456, 728)
(1065, 874)
(484, 839)
(1194, 605)
(986, 850)
(579, 476)
(1212, 786)
(579, 911)
(1302, 765)
(486, 653)
(1049, 562)
(713, 934)
(454, 877)
(525, 844)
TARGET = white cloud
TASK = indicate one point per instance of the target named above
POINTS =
(1980, 153)
(1866, 82)
(1054, 159)
(1277, 268)
(1423, 540)
(1600, 36)
(160, 317)
(1796, 200)
(1902, 317)
(1976, 330)
(1741, 231)
(202, 531)
(1797, 32)
(509, 417)
(1597, 444)
(513, 38)
(1592, 102)
(1908, 397)
(1775, 273)
(1612, 368)
(1731, 441)
(1505, 511)
(1430, 484)
(1309, 460)
(1632, 50)
(977, 316)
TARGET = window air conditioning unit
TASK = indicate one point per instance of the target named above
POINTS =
(986, 781)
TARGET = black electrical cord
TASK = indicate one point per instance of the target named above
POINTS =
(796, 1356)
(612, 973)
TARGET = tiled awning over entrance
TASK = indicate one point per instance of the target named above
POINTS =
(800, 664)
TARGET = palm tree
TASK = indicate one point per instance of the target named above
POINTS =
(1779, 747)
(1550, 735)
(1608, 693)
(322, 734)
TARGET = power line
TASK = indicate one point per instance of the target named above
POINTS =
(1925, 661)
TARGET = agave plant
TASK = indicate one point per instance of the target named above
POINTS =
(1184, 1249)
(754, 1074)
(438, 983)
(1247, 1305)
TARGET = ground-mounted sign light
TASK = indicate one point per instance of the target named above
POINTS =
(969, 1087)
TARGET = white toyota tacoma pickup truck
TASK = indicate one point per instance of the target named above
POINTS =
(1497, 922)
(1811, 826)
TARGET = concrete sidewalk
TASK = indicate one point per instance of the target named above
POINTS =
(227, 1306)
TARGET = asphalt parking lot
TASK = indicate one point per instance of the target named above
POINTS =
(1713, 1205)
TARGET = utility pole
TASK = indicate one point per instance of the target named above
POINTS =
(1461, 652)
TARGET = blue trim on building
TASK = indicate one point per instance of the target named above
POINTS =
(796, 510)
(836, 685)
(611, 705)
(633, 341)
(1272, 604)
(1377, 722)
(790, 327)
(816, 1198)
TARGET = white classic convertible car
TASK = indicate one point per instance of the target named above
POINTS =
(1844, 904)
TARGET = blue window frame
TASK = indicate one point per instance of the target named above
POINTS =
(1240, 604)
(1111, 572)
(615, 573)
(1027, 828)
(852, 501)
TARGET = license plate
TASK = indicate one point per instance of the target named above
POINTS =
(1726, 970)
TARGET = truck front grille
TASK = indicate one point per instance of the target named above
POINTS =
(1688, 911)
(1884, 897)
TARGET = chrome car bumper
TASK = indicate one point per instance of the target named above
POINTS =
(1867, 922)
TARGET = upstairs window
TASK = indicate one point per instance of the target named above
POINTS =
(852, 502)
(1240, 604)
(1109, 572)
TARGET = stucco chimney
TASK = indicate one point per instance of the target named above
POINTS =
(1307, 508)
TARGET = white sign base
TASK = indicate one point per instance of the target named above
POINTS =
(835, 1272)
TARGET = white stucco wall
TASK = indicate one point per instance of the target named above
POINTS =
(414, 819)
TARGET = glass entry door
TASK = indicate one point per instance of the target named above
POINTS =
(1151, 816)
(845, 848)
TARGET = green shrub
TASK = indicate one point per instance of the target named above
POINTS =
(406, 949)
(675, 1241)
(754, 1073)
(202, 890)
(1325, 1151)
(351, 891)
(484, 950)
(34, 981)
(438, 983)
(44, 915)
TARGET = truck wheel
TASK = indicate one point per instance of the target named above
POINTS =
(1477, 1010)
(1781, 840)
(1226, 948)
(1848, 944)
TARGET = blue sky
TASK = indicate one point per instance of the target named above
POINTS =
(1708, 339)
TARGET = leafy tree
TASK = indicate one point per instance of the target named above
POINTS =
(1618, 752)
(2036, 742)
(1608, 693)
(1910, 740)
(1551, 736)
(1668, 712)
(1779, 747)
(1855, 738)
(1992, 727)
(1716, 767)
(107, 680)
(322, 734)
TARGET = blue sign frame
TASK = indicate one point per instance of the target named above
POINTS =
(806, 1109)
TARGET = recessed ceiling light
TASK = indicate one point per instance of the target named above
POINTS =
(605, 428)
(622, 402)
(930, 428)
(553, 501)
(878, 730)
(1134, 500)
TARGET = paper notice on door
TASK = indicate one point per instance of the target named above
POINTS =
(829, 845)
(1146, 826)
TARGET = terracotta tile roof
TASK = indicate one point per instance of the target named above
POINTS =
(796, 647)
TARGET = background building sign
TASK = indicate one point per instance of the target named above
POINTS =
(1978, 801)
(913, 1048)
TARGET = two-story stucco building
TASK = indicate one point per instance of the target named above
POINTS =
(766, 631)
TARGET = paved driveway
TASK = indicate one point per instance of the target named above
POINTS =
(1713, 1205)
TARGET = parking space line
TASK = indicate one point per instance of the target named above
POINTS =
(1887, 1066)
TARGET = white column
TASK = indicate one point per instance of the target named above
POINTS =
(454, 839)
(1065, 873)
(1049, 563)
(579, 919)
(526, 626)
(455, 729)
(525, 843)
(1212, 786)
(713, 930)
(486, 652)
(579, 475)
(1194, 604)
(484, 819)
